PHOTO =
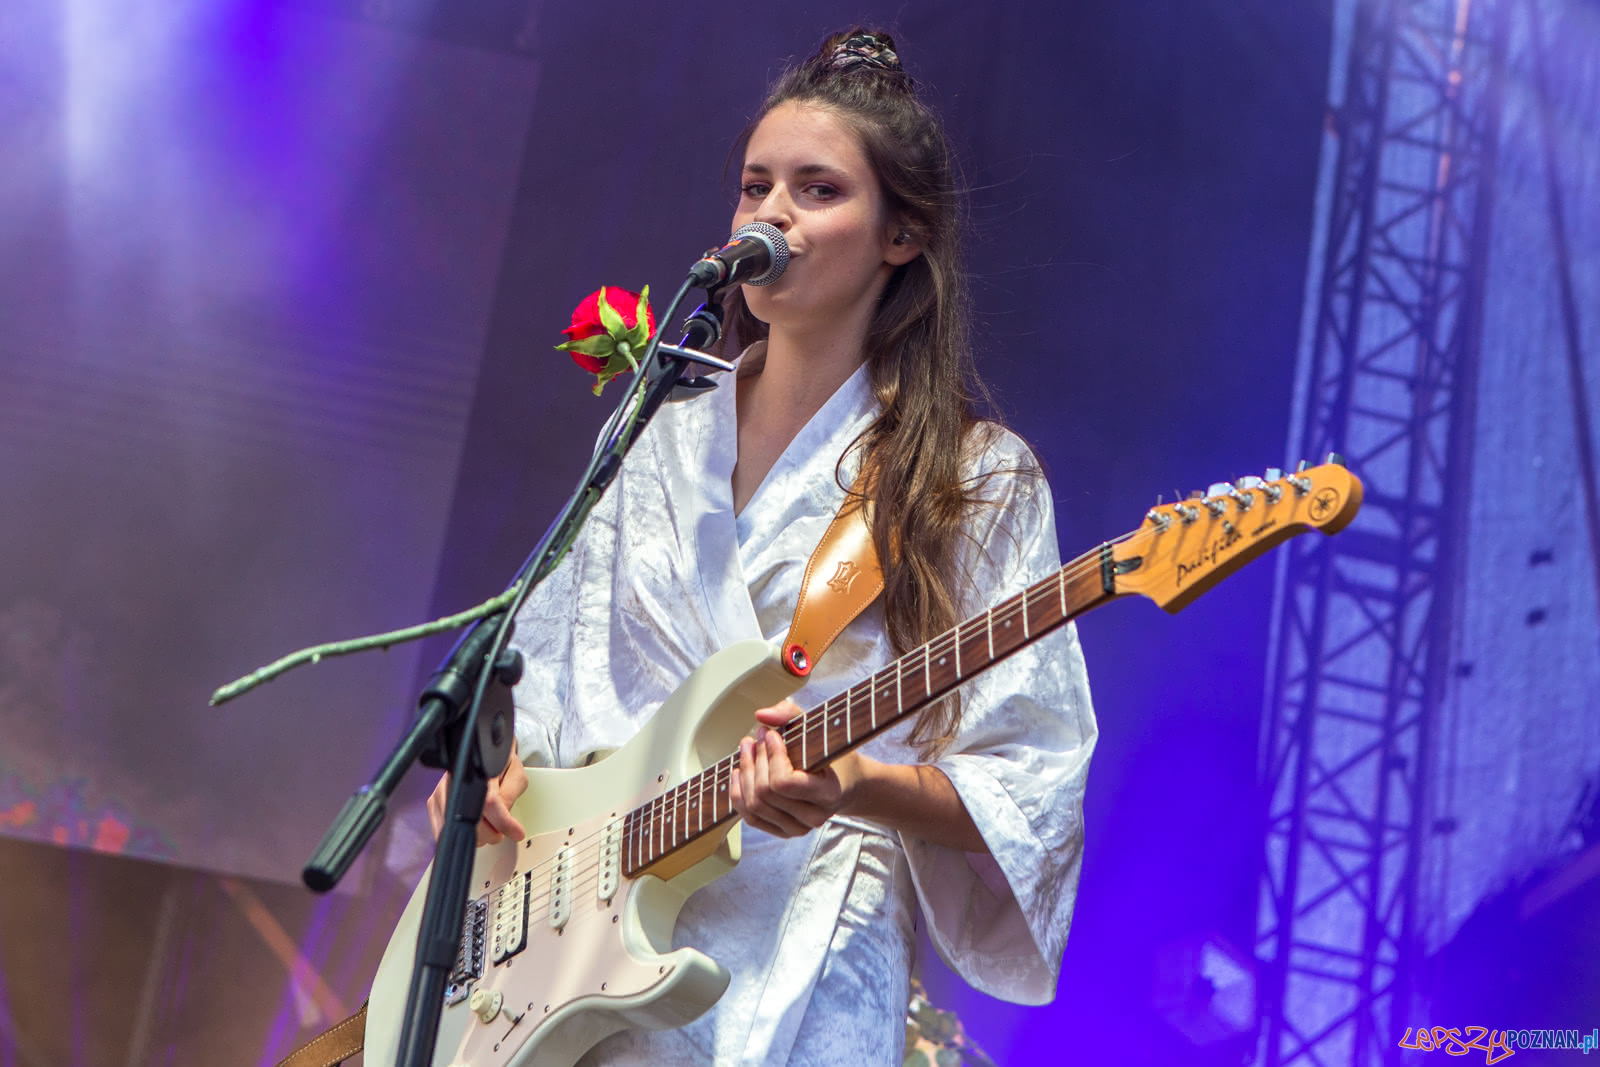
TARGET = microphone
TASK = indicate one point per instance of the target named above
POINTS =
(756, 254)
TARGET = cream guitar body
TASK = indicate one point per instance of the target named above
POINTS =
(585, 948)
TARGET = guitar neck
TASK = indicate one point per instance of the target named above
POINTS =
(1181, 550)
(702, 803)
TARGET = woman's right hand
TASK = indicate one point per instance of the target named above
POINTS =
(497, 823)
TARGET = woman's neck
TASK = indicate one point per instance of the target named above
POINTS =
(795, 379)
(798, 376)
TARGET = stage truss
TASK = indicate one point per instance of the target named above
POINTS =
(1362, 620)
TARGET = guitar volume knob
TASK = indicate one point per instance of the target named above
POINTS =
(486, 1003)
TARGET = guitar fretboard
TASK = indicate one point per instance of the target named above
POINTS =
(702, 803)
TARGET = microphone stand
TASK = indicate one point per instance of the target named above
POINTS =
(460, 726)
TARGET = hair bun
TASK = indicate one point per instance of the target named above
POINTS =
(864, 48)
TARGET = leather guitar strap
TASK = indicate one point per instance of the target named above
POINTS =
(334, 1045)
(842, 580)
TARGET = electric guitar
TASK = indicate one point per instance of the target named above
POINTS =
(568, 938)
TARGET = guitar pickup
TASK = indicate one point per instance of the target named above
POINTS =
(561, 888)
(610, 861)
(511, 917)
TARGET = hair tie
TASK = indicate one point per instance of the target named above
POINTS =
(864, 49)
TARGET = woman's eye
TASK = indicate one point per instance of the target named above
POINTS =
(754, 190)
(822, 192)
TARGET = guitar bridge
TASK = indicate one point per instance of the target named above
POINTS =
(469, 952)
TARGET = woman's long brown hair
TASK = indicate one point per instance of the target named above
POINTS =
(918, 349)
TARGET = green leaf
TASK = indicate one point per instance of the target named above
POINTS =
(609, 317)
(641, 316)
(947, 1057)
(602, 345)
(915, 1058)
(619, 364)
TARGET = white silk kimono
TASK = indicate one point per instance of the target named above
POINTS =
(817, 930)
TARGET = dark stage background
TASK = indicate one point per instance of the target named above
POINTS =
(277, 296)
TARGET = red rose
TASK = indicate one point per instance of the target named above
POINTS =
(586, 321)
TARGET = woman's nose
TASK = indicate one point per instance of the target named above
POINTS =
(775, 209)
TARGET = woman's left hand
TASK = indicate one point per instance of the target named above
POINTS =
(774, 795)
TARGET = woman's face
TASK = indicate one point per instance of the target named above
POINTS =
(805, 173)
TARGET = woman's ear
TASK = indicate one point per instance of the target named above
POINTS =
(903, 247)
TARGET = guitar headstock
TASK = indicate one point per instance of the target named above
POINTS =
(1185, 548)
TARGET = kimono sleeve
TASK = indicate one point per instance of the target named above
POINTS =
(1020, 763)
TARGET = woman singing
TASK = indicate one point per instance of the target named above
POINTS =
(857, 372)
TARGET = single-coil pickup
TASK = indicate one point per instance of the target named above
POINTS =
(561, 888)
(610, 860)
(511, 917)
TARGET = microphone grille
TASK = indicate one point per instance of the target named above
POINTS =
(777, 246)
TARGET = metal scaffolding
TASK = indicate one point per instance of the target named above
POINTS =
(1387, 377)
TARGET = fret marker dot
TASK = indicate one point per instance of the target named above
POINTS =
(942, 659)
(836, 720)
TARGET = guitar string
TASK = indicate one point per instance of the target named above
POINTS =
(648, 818)
(664, 808)
(655, 820)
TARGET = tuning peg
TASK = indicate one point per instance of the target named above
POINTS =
(1240, 497)
(1160, 519)
(1336, 459)
(1273, 474)
(1302, 467)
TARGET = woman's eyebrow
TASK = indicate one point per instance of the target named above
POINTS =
(807, 170)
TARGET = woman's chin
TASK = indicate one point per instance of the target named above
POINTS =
(768, 306)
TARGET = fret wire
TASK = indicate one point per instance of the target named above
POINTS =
(849, 720)
(872, 708)
(641, 831)
(1026, 636)
(1061, 585)
(988, 617)
(724, 795)
(667, 809)
(958, 653)
(672, 818)
(715, 786)
(899, 686)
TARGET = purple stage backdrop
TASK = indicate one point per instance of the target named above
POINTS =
(249, 255)
(278, 285)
